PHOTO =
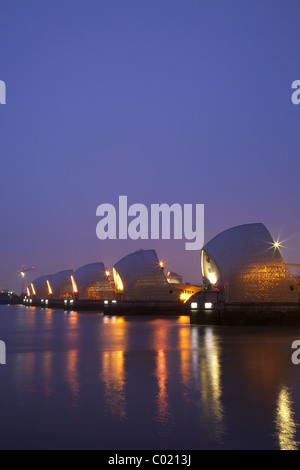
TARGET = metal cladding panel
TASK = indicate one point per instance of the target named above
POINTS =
(143, 278)
(41, 287)
(61, 285)
(92, 282)
(251, 269)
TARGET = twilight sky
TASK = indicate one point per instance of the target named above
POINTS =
(164, 101)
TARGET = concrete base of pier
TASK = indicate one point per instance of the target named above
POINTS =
(248, 314)
(200, 314)
(112, 307)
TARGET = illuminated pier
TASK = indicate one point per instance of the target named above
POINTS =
(245, 281)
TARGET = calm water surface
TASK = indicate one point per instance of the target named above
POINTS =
(86, 381)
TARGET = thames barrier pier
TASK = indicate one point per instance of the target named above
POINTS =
(245, 281)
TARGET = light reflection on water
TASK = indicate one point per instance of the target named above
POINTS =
(113, 376)
(285, 421)
(184, 346)
(211, 385)
(47, 361)
(163, 413)
(159, 345)
(128, 382)
(72, 377)
(113, 370)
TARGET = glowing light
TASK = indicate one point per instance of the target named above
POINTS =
(277, 244)
(118, 281)
(194, 305)
(33, 289)
(107, 273)
(212, 278)
(74, 285)
(184, 296)
(162, 264)
(49, 288)
(184, 319)
(28, 292)
(208, 305)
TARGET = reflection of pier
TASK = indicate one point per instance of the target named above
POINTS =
(285, 421)
(208, 374)
(113, 369)
(160, 346)
(113, 376)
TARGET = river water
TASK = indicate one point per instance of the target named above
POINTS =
(87, 381)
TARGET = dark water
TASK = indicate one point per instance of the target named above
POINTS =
(92, 382)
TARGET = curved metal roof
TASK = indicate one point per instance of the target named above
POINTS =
(248, 266)
(143, 278)
(92, 282)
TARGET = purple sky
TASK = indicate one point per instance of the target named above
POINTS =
(163, 101)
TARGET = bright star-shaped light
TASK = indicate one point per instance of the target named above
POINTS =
(277, 244)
